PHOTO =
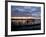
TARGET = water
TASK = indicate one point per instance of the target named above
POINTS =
(15, 27)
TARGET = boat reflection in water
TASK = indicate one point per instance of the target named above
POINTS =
(18, 24)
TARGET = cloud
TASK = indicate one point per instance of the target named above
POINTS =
(25, 10)
(36, 14)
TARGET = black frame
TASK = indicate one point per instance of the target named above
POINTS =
(6, 18)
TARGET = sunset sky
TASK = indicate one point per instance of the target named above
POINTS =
(25, 11)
